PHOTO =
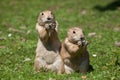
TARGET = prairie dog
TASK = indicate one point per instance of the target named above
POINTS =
(48, 46)
(74, 51)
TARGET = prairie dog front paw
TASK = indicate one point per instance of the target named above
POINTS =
(50, 26)
(79, 43)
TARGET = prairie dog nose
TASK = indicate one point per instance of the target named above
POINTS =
(82, 38)
(48, 18)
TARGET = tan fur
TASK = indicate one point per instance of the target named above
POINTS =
(74, 51)
(48, 47)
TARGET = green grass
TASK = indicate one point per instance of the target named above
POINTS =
(22, 15)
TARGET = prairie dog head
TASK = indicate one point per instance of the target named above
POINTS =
(76, 36)
(46, 17)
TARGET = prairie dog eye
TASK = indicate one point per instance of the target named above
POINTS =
(42, 13)
(74, 32)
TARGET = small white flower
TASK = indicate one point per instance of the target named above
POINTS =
(94, 55)
(27, 59)
(9, 35)
(92, 34)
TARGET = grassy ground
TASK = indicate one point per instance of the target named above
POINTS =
(18, 37)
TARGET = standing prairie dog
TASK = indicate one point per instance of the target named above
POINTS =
(48, 46)
(74, 51)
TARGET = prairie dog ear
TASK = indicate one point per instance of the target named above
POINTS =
(38, 20)
(40, 15)
(51, 12)
(70, 31)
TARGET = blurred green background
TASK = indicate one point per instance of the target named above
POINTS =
(100, 20)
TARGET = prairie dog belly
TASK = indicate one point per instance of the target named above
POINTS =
(76, 65)
(50, 57)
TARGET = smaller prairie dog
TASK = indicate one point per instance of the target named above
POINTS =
(74, 51)
(48, 46)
